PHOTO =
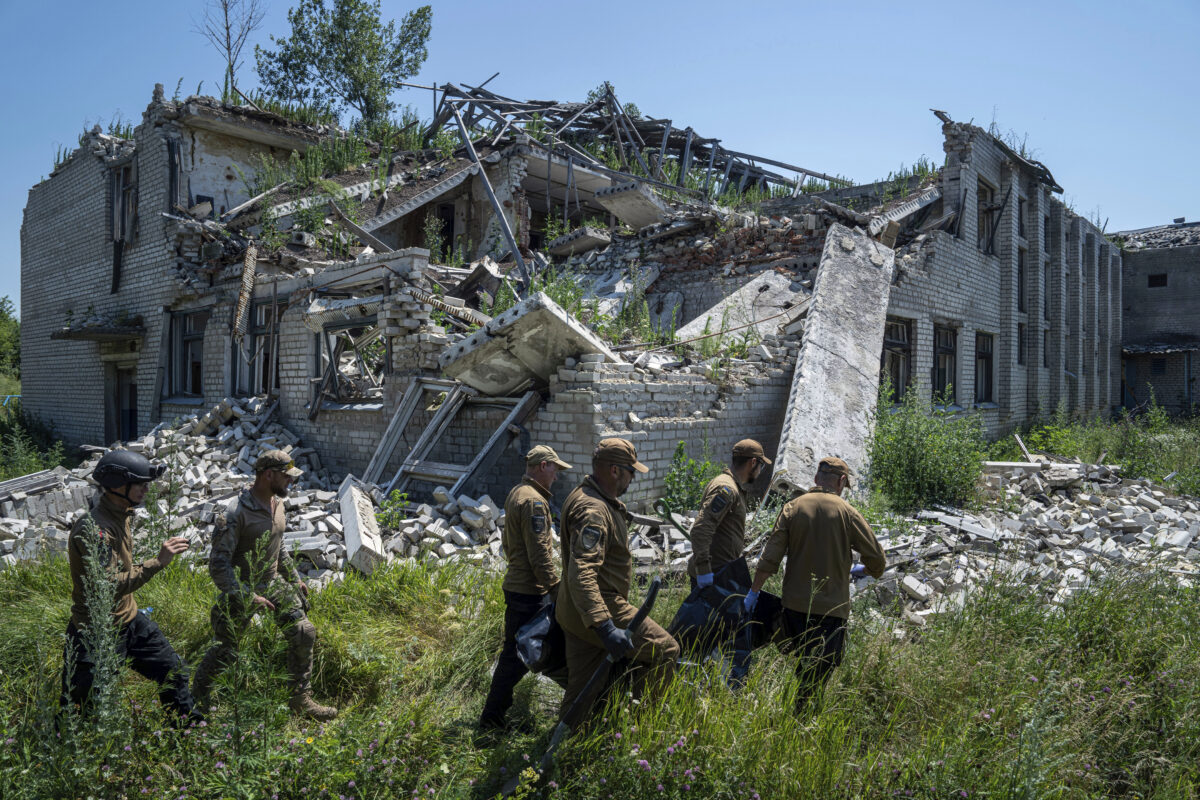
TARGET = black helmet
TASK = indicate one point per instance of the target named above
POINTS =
(119, 467)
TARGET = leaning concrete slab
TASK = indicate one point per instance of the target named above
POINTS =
(760, 301)
(633, 203)
(578, 241)
(831, 408)
(612, 288)
(527, 343)
(364, 545)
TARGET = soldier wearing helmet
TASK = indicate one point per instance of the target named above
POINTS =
(124, 478)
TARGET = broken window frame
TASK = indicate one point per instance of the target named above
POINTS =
(945, 356)
(185, 368)
(252, 365)
(985, 372)
(123, 189)
(895, 362)
(985, 196)
(1022, 333)
(331, 346)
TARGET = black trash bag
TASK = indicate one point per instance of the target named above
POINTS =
(540, 643)
(711, 614)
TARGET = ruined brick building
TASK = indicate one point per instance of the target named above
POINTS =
(1162, 272)
(153, 285)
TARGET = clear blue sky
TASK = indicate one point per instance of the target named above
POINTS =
(1105, 90)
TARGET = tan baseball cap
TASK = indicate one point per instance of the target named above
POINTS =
(836, 466)
(620, 452)
(542, 453)
(748, 448)
(277, 459)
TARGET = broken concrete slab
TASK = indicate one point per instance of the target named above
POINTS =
(527, 343)
(758, 302)
(610, 289)
(831, 408)
(364, 545)
(579, 240)
(635, 204)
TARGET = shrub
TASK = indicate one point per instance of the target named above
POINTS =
(687, 478)
(922, 455)
(25, 444)
(392, 510)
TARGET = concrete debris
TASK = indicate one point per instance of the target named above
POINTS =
(759, 303)
(525, 344)
(579, 240)
(634, 203)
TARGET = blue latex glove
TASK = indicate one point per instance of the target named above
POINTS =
(751, 601)
(858, 571)
(617, 641)
(704, 580)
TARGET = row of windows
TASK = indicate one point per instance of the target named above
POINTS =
(256, 367)
(895, 363)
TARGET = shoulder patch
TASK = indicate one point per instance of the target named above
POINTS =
(720, 500)
(590, 536)
(537, 521)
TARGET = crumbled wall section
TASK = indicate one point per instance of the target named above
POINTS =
(656, 412)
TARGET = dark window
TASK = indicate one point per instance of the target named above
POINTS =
(984, 199)
(944, 351)
(1156, 281)
(1046, 232)
(896, 362)
(187, 353)
(1021, 342)
(1021, 217)
(1158, 366)
(124, 215)
(1046, 349)
(1020, 280)
(257, 367)
(1046, 286)
(983, 368)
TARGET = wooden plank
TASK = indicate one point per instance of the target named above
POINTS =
(434, 472)
(391, 437)
(491, 451)
(433, 431)
(361, 233)
(1021, 444)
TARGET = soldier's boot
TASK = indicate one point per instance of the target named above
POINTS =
(302, 703)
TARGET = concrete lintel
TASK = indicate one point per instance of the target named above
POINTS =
(633, 203)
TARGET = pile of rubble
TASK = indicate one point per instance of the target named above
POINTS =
(1075, 523)
(210, 458)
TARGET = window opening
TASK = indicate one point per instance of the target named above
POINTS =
(944, 353)
(896, 361)
(984, 389)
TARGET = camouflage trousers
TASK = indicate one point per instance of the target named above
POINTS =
(229, 617)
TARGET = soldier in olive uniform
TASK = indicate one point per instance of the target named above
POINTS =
(254, 571)
(124, 477)
(598, 571)
(816, 532)
(718, 538)
(719, 534)
(532, 578)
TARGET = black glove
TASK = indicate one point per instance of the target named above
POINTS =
(617, 641)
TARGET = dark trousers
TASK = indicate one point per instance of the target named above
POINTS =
(147, 651)
(818, 643)
(518, 610)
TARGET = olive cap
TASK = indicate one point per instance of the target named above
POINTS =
(543, 453)
(836, 466)
(748, 448)
(620, 452)
(277, 460)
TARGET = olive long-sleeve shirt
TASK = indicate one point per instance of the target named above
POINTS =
(597, 565)
(720, 531)
(526, 539)
(116, 549)
(247, 547)
(816, 532)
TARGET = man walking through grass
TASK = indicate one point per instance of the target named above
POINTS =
(532, 578)
(816, 532)
(593, 601)
(254, 572)
(104, 532)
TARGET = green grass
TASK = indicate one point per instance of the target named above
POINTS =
(1003, 699)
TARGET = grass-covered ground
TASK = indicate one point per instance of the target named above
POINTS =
(1002, 700)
